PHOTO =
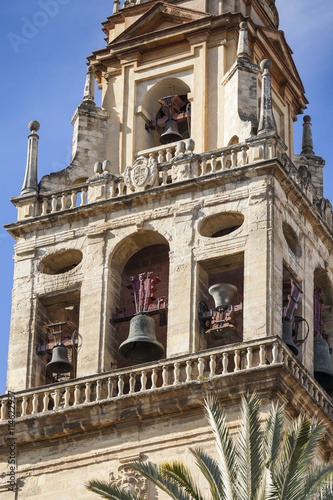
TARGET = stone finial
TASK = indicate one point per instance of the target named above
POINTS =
(243, 42)
(266, 121)
(89, 89)
(307, 142)
(116, 4)
(30, 184)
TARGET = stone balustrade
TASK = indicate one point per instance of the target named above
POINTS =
(161, 166)
(166, 375)
(66, 199)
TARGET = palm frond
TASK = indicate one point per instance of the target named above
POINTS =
(107, 490)
(181, 476)
(249, 449)
(320, 480)
(273, 435)
(267, 489)
(156, 475)
(287, 473)
(224, 446)
(211, 471)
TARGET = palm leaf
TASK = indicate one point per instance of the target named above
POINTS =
(224, 446)
(181, 476)
(211, 471)
(156, 475)
(320, 480)
(273, 435)
(249, 450)
(107, 490)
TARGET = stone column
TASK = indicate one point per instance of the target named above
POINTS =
(266, 121)
(30, 184)
(307, 141)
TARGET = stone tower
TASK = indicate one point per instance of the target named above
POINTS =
(184, 179)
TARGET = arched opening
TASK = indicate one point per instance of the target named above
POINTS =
(165, 105)
(144, 255)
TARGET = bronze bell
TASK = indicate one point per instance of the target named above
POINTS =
(141, 345)
(59, 362)
(322, 365)
(222, 293)
(171, 133)
(287, 335)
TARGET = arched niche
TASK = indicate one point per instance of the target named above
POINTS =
(323, 288)
(150, 111)
(140, 252)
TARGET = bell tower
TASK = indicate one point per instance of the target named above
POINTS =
(186, 250)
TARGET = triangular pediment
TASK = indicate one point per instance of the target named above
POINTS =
(161, 17)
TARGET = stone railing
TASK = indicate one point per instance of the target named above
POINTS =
(156, 167)
(163, 375)
(68, 198)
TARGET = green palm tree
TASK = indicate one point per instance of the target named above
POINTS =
(261, 464)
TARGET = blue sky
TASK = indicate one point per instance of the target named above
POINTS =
(43, 58)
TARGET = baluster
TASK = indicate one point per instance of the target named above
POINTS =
(77, 395)
(87, 392)
(113, 188)
(56, 398)
(3, 410)
(244, 156)
(225, 362)
(98, 390)
(154, 378)
(223, 161)
(24, 406)
(110, 387)
(176, 373)
(213, 163)
(160, 157)
(168, 154)
(188, 371)
(204, 167)
(249, 358)
(121, 384)
(165, 376)
(45, 204)
(35, 404)
(237, 360)
(45, 402)
(201, 366)
(296, 372)
(73, 199)
(120, 187)
(212, 365)
(67, 397)
(63, 201)
(84, 195)
(233, 158)
(262, 355)
(164, 176)
(131, 383)
(143, 380)
(54, 200)
(275, 353)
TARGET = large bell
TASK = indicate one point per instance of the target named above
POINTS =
(141, 345)
(59, 362)
(171, 133)
(322, 365)
(287, 335)
(222, 293)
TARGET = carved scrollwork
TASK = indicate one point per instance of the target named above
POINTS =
(131, 481)
(143, 174)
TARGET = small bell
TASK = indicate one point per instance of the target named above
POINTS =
(222, 293)
(59, 362)
(141, 345)
(322, 365)
(287, 335)
(171, 133)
